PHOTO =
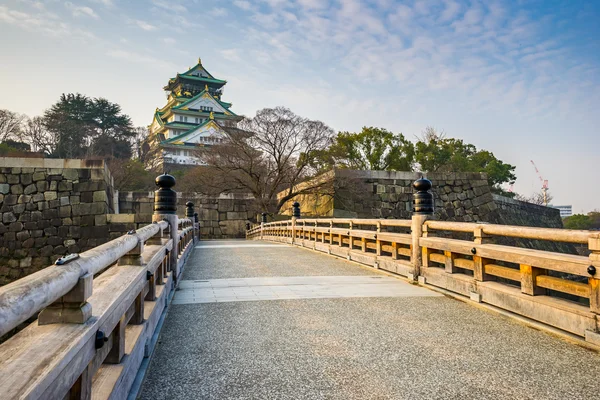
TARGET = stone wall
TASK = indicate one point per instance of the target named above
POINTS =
(219, 217)
(50, 207)
(464, 197)
(461, 197)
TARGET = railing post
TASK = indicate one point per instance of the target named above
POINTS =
(189, 213)
(594, 279)
(295, 216)
(72, 308)
(165, 208)
(479, 237)
(263, 221)
(197, 226)
(422, 211)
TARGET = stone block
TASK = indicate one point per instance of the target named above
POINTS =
(41, 186)
(65, 186)
(8, 217)
(39, 176)
(12, 179)
(54, 203)
(100, 196)
(65, 211)
(42, 205)
(15, 226)
(99, 208)
(74, 199)
(30, 189)
(64, 201)
(18, 208)
(16, 189)
(476, 297)
(53, 186)
(23, 235)
(67, 221)
(50, 196)
(26, 179)
(4, 188)
(100, 220)
(70, 174)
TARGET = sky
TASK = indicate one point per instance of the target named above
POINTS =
(520, 78)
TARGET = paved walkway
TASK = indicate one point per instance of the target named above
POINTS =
(256, 320)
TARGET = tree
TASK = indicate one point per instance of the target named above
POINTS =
(265, 155)
(130, 175)
(84, 127)
(10, 125)
(370, 149)
(436, 153)
(536, 198)
(577, 221)
(38, 137)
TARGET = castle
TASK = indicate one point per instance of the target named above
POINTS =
(193, 119)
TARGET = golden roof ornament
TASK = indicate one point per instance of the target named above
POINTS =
(206, 87)
(211, 116)
(199, 61)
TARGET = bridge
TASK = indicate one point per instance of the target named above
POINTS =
(309, 308)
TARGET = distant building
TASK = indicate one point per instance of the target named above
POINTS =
(193, 119)
(565, 211)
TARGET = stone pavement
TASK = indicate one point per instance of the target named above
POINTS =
(279, 322)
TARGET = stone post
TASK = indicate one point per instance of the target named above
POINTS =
(189, 213)
(422, 211)
(263, 221)
(165, 208)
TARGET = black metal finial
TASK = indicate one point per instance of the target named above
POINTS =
(296, 209)
(247, 226)
(189, 210)
(591, 270)
(422, 198)
(264, 217)
(196, 217)
(165, 198)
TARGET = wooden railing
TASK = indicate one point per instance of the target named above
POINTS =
(97, 315)
(561, 290)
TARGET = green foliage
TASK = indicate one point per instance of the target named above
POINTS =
(582, 221)
(453, 155)
(370, 149)
(85, 127)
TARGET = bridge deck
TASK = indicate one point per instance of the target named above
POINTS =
(255, 320)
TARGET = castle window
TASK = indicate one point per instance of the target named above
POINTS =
(184, 119)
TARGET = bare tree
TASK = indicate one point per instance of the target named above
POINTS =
(38, 137)
(535, 198)
(429, 133)
(10, 125)
(266, 155)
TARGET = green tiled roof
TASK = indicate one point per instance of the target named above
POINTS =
(181, 135)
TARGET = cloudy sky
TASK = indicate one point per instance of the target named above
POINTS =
(520, 78)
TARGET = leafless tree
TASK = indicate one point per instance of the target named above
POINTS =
(266, 155)
(10, 125)
(430, 133)
(535, 198)
(38, 137)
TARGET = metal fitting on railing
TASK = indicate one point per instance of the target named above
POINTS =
(189, 210)
(296, 209)
(264, 218)
(422, 198)
(165, 198)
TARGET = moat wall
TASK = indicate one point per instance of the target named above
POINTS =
(224, 216)
(50, 207)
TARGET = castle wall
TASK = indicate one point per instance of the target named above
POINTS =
(48, 208)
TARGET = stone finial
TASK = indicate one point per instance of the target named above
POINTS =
(264, 217)
(165, 198)
(189, 210)
(196, 217)
(422, 198)
(296, 209)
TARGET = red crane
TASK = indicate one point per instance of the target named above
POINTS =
(544, 184)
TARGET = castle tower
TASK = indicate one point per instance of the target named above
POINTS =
(193, 118)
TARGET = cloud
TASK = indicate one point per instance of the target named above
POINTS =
(105, 3)
(79, 11)
(170, 6)
(218, 12)
(168, 40)
(231, 55)
(140, 58)
(143, 25)
(243, 4)
(44, 22)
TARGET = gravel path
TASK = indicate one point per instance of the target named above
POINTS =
(352, 348)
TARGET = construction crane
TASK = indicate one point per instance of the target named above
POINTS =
(544, 184)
